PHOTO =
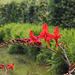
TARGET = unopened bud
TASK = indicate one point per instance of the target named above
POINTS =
(31, 42)
(14, 41)
(9, 42)
(60, 43)
(39, 43)
(65, 46)
(1, 45)
(5, 42)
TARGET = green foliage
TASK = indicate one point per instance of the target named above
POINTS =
(5, 31)
(53, 12)
(63, 13)
(43, 56)
(2, 34)
(25, 11)
(68, 37)
(15, 49)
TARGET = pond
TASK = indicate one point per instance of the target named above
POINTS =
(23, 64)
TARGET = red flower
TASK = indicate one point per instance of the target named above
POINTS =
(26, 40)
(8, 66)
(2, 66)
(57, 36)
(31, 42)
(39, 43)
(45, 34)
(34, 38)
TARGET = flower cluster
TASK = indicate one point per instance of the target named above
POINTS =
(8, 66)
(43, 35)
(36, 39)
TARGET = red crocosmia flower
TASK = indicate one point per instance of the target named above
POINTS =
(26, 40)
(10, 66)
(45, 34)
(31, 32)
(39, 43)
(57, 36)
(2, 67)
(31, 42)
(45, 28)
(34, 38)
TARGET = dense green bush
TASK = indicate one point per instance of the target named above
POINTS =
(63, 13)
(15, 49)
(53, 12)
(2, 34)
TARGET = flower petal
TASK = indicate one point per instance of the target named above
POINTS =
(31, 32)
(56, 31)
(45, 28)
(59, 36)
(13, 64)
(39, 43)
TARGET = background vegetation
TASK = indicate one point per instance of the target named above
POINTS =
(54, 12)
(17, 18)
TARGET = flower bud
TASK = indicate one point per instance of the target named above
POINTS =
(65, 46)
(31, 42)
(39, 43)
(9, 42)
(14, 41)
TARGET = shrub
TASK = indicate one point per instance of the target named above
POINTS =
(53, 12)
(25, 11)
(2, 34)
(15, 49)
(63, 13)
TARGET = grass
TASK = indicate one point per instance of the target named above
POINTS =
(22, 64)
(8, 1)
